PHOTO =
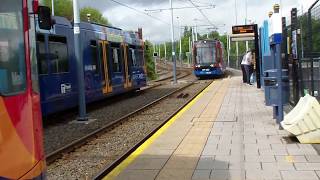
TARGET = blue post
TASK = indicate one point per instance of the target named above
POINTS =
(78, 56)
(279, 82)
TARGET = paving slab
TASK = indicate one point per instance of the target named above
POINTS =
(227, 134)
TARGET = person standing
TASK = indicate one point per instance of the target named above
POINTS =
(246, 63)
(252, 64)
(243, 63)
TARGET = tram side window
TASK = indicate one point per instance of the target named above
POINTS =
(12, 52)
(58, 50)
(116, 56)
(132, 57)
(94, 55)
(139, 57)
(42, 56)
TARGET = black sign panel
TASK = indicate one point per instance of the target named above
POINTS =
(242, 29)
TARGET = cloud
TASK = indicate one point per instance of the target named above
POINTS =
(223, 15)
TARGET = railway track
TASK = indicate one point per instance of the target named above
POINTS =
(61, 129)
(51, 157)
(109, 168)
(119, 135)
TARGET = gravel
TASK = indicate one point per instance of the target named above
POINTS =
(86, 161)
(63, 130)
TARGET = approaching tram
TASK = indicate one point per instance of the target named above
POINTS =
(208, 58)
(21, 146)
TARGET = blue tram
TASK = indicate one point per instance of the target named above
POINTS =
(208, 58)
(113, 63)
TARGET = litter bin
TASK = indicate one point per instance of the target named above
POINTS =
(271, 87)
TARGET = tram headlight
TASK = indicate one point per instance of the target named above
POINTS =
(198, 66)
(211, 65)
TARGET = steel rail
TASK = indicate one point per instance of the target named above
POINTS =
(110, 167)
(53, 156)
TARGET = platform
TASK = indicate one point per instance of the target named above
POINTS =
(225, 133)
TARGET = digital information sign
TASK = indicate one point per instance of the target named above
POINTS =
(243, 29)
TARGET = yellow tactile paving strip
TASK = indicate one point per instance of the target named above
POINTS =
(173, 152)
(184, 159)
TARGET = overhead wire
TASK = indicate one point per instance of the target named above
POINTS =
(158, 19)
(201, 12)
(139, 11)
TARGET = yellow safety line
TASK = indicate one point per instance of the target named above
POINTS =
(124, 164)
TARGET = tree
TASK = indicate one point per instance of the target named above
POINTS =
(64, 8)
(61, 8)
(315, 32)
(148, 56)
(95, 15)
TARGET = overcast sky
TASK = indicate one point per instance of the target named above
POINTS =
(222, 16)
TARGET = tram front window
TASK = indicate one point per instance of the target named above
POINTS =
(12, 52)
(205, 55)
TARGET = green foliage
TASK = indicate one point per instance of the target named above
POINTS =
(315, 32)
(61, 7)
(148, 56)
(64, 8)
(95, 15)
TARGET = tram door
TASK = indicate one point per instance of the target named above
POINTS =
(127, 67)
(106, 77)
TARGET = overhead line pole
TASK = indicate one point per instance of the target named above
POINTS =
(52, 7)
(173, 47)
(236, 11)
(196, 31)
(180, 43)
(189, 59)
(237, 43)
(246, 21)
(165, 53)
(79, 60)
